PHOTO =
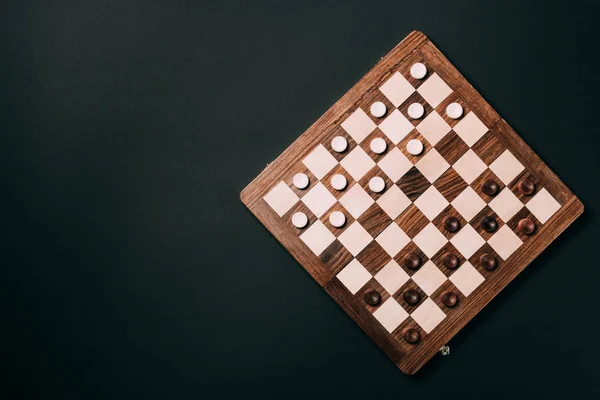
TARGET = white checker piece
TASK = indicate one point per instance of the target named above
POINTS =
(543, 205)
(392, 277)
(470, 129)
(469, 166)
(506, 167)
(355, 238)
(317, 237)
(505, 242)
(432, 165)
(467, 278)
(428, 315)
(468, 203)
(354, 276)
(433, 128)
(281, 198)
(396, 126)
(390, 314)
(393, 202)
(397, 89)
(430, 240)
(431, 203)
(320, 161)
(318, 199)
(434, 90)
(392, 239)
(506, 204)
(429, 278)
(358, 125)
(356, 200)
(357, 163)
(467, 241)
(395, 164)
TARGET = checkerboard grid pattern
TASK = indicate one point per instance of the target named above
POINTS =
(451, 148)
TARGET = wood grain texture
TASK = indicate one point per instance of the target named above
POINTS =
(411, 357)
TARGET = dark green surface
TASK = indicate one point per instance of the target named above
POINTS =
(132, 270)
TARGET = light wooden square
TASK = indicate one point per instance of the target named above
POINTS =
(392, 239)
(397, 89)
(320, 161)
(393, 202)
(317, 237)
(318, 199)
(281, 198)
(396, 126)
(430, 240)
(506, 204)
(466, 278)
(432, 165)
(429, 278)
(392, 277)
(356, 200)
(355, 238)
(468, 203)
(358, 125)
(354, 276)
(357, 163)
(543, 205)
(505, 242)
(390, 314)
(469, 166)
(431, 203)
(506, 167)
(470, 129)
(428, 315)
(395, 164)
(434, 90)
(433, 128)
(467, 241)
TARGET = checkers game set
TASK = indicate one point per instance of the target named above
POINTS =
(412, 202)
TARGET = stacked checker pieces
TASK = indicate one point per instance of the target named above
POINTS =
(448, 216)
(416, 253)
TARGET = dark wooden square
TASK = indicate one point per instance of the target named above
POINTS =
(438, 259)
(485, 176)
(374, 220)
(450, 184)
(413, 184)
(410, 248)
(415, 98)
(373, 257)
(513, 224)
(412, 221)
(476, 222)
(514, 186)
(451, 147)
(440, 221)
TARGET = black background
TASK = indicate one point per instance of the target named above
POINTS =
(130, 269)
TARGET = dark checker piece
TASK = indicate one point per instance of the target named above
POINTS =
(451, 261)
(411, 296)
(489, 224)
(527, 187)
(487, 261)
(527, 226)
(452, 224)
(449, 299)
(412, 335)
(489, 187)
(372, 298)
(412, 261)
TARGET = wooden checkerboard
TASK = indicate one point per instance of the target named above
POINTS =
(367, 256)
